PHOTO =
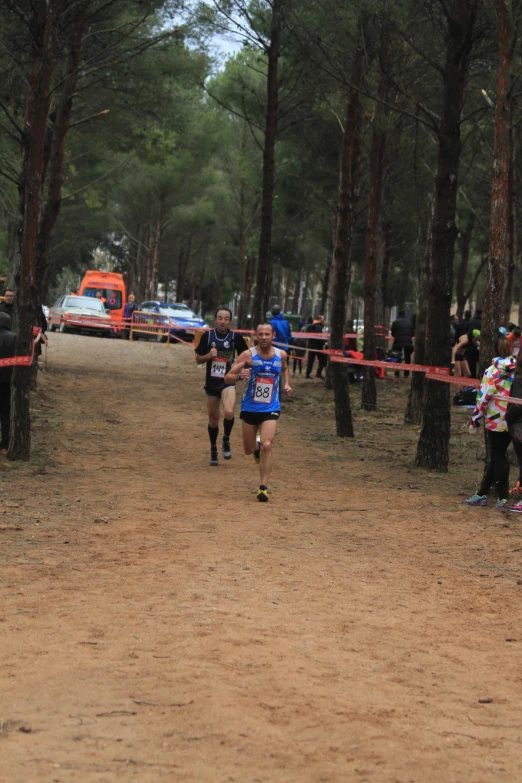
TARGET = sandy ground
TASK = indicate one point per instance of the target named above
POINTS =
(157, 623)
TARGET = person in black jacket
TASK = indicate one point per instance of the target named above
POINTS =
(402, 333)
(318, 345)
(463, 326)
(514, 422)
(7, 350)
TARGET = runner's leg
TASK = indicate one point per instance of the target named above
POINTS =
(228, 398)
(213, 420)
(249, 438)
(267, 432)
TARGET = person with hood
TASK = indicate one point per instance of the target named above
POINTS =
(7, 351)
(492, 406)
(282, 329)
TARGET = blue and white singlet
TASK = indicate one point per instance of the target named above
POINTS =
(262, 389)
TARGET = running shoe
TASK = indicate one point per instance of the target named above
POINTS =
(517, 507)
(501, 505)
(262, 494)
(476, 500)
(213, 458)
(517, 490)
(257, 452)
(225, 449)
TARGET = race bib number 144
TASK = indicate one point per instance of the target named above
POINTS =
(218, 368)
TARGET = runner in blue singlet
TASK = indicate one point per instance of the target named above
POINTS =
(261, 406)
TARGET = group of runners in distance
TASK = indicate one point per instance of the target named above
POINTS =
(264, 369)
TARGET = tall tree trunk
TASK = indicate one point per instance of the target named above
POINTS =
(512, 224)
(155, 261)
(433, 445)
(498, 225)
(465, 244)
(264, 264)
(340, 275)
(55, 164)
(286, 298)
(30, 191)
(325, 286)
(369, 390)
(414, 408)
(297, 291)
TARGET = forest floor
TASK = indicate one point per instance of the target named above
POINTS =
(157, 623)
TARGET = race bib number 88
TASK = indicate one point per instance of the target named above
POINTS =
(264, 390)
(218, 368)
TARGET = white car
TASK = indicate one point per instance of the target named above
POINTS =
(79, 313)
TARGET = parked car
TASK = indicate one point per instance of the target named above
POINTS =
(79, 313)
(171, 316)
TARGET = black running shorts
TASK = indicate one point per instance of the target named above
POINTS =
(255, 419)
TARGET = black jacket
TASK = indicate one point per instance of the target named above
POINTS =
(402, 333)
(7, 308)
(7, 349)
(316, 329)
(462, 328)
(514, 412)
(475, 323)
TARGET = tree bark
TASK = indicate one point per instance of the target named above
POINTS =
(340, 275)
(30, 191)
(512, 223)
(498, 231)
(264, 264)
(369, 389)
(414, 408)
(297, 291)
(465, 244)
(155, 261)
(325, 286)
(433, 444)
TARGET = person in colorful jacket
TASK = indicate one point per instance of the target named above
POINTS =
(496, 385)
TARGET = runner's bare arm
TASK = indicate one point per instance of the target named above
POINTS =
(238, 369)
(206, 357)
(286, 373)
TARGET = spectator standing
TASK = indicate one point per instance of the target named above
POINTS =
(453, 328)
(7, 350)
(514, 341)
(402, 333)
(316, 328)
(282, 329)
(463, 326)
(514, 422)
(7, 305)
(476, 321)
(128, 310)
(492, 406)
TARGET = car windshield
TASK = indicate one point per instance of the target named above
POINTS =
(110, 298)
(81, 302)
(178, 312)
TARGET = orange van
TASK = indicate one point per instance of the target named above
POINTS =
(111, 286)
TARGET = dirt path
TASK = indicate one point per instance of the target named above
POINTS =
(157, 623)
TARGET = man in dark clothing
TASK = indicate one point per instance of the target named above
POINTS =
(402, 333)
(7, 306)
(476, 321)
(472, 354)
(7, 350)
(316, 328)
(463, 326)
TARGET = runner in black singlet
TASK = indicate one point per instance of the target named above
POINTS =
(217, 349)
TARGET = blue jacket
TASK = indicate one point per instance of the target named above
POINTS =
(282, 329)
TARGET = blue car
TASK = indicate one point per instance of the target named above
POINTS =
(175, 317)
